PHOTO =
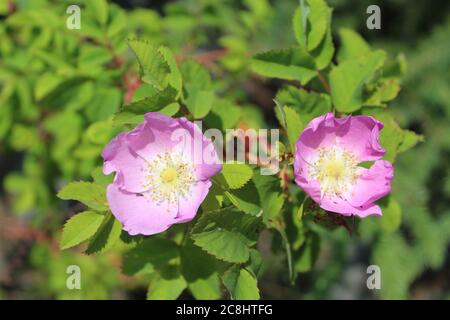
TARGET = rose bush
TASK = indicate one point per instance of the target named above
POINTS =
(331, 132)
(128, 80)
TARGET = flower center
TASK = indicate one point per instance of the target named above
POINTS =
(168, 178)
(168, 175)
(335, 168)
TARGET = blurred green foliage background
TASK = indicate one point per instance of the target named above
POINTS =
(59, 87)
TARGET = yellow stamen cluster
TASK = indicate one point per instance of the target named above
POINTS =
(335, 168)
(168, 178)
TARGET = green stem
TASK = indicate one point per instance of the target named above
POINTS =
(288, 253)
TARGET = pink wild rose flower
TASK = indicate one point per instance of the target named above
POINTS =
(161, 173)
(326, 167)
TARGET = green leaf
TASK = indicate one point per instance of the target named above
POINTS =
(174, 78)
(294, 125)
(15, 182)
(236, 46)
(4, 8)
(45, 85)
(213, 200)
(235, 183)
(347, 80)
(353, 46)
(6, 120)
(392, 214)
(299, 22)
(200, 271)
(226, 234)
(100, 10)
(143, 91)
(311, 24)
(166, 285)
(246, 199)
(306, 257)
(396, 68)
(104, 104)
(269, 191)
(24, 137)
(91, 194)
(410, 139)
(400, 264)
(24, 192)
(80, 228)
(318, 17)
(66, 127)
(199, 102)
(235, 175)
(279, 113)
(224, 114)
(195, 76)
(53, 60)
(385, 91)
(149, 255)
(287, 245)
(299, 215)
(289, 64)
(100, 132)
(106, 236)
(324, 53)
(93, 56)
(241, 284)
(154, 67)
(118, 23)
(226, 245)
(199, 96)
(290, 120)
(100, 178)
(152, 103)
(255, 264)
(171, 109)
(127, 118)
(308, 105)
(74, 93)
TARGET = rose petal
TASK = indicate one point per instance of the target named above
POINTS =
(319, 132)
(342, 206)
(373, 183)
(202, 153)
(139, 215)
(361, 136)
(127, 164)
(188, 207)
(153, 137)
